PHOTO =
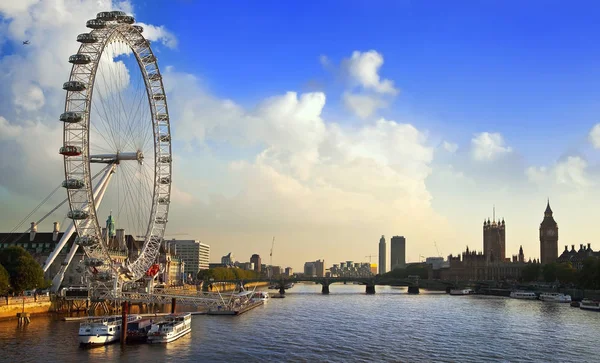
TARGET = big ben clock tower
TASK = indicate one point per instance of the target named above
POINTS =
(548, 237)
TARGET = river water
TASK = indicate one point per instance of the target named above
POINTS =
(345, 326)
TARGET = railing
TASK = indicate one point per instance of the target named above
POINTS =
(19, 300)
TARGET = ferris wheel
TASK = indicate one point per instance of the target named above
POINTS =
(117, 147)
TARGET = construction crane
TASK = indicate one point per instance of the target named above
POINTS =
(271, 258)
(370, 256)
(436, 248)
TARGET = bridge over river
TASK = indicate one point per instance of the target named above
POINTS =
(413, 283)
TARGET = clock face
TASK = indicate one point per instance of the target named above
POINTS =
(550, 232)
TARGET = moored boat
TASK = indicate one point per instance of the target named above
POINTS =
(173, 327)
(555, 297)
(587, 304)
(260, 296)
(137, 331)
(525, 295)
(459, 292)
(102, 331)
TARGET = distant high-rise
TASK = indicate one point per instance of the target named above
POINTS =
(382, 255)
(195, 254)
(255, 259)
(548, 237)
(398, 252)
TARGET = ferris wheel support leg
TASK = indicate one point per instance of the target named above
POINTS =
(99, 191)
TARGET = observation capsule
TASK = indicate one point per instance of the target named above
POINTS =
(74, 86)
(80, 59)
(78, 214)
(163, 200)
(164, 138)
(71, 117)
(70, 150)
(87, 38)
(160, 220)
(86, 241)
(139, 28)
(164, 159)
(126, 19)
(95, 24)
(158, 96)
(106, 16)
(165, 180)
(73, 184)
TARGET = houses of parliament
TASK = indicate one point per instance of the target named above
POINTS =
(492, 263)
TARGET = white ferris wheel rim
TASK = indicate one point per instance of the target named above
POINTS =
(107, 27)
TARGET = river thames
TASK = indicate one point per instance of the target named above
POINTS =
(345, 326)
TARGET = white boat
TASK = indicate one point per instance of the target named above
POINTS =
(102, 331)
(555, 297)
(590, 305)
(173, 327)
(526, 295)
(260, 296)
(461, 292)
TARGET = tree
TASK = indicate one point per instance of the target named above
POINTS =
(549, 272)
(23, 270)
(4, 281)
(531, 272)
(565, 273)
(589, 276)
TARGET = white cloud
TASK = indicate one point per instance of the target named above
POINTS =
(28, 96)
(594, 136)
(363, 69)
(159, 34)
(572, 172)
(362, 105)
(488, 146)
(450, 147)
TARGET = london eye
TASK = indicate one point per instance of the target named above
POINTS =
(116, 147)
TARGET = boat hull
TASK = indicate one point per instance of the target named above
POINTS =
(159, 339)
(98, 339)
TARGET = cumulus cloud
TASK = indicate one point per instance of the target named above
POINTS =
(571, 172)
(159, 34)
(368, 91)
(363, 69)
(594, 136)
(487, 146)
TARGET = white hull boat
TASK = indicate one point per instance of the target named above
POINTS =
(524, 295)
(172, 328)
(461, 292)
(589, 305)
(102, 331)
(555, 297)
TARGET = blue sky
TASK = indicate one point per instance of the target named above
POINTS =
(517, 81)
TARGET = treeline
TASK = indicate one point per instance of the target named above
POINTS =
(410, 270)
(19, 271)
(587, 278)
(224, 273)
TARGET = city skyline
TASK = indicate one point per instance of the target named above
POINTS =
(334, 135)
